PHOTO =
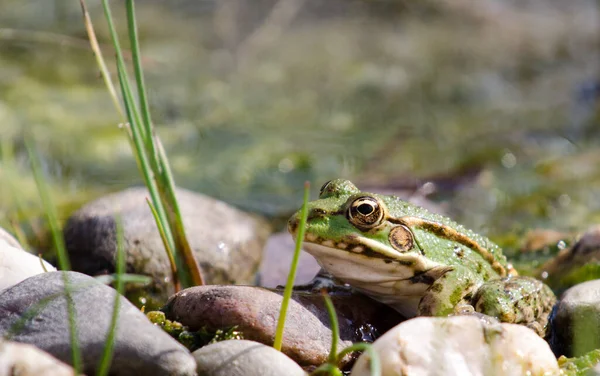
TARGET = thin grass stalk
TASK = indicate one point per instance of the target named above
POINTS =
(335, 329)
(287, 293)
(327, 369)
(160, 183)
(107, 354)
(115, 39)
(367, 347)
(99, 58)
(139, 79)
(185, 257)
(158, 161)
(59, 244)
(130, 110)
(161, 231)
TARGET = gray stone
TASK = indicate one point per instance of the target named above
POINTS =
(27, 360)
(5, 235)
(275, 266)
(255, 312)
(575, 325)
(35, 312)
(244, 358)
(227, 242)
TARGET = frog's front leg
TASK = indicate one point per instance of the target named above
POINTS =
(450, 293)
(518, 300)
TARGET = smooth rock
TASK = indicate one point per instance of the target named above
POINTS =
(27, 360)
(244, 358)
(255, 310)
(575, 322)
(227, 242)
(11, 240)
(459, 345)
(17, 265)
(277, 259)
(35, 312)
(575, 264)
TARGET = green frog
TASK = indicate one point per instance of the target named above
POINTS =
(418, 262)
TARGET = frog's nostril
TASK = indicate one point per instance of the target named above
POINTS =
(316, 212)
(293, 225)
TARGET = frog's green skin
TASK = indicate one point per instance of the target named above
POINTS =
(418, 262)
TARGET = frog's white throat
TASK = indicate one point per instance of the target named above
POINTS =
(384, 280)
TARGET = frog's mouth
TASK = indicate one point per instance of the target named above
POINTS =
(399, 283)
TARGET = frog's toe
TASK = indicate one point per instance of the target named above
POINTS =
(538, 328)
(464, 309)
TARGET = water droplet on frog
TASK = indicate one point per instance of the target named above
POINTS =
(142, 300)
(222, 246)
(561, 245)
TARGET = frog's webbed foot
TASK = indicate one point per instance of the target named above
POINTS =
(518, 300)
(322, 281)
(447, 294)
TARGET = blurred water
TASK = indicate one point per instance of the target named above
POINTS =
(492, 100)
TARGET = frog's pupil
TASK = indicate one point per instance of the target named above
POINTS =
(365, 209)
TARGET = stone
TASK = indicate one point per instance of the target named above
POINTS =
(255, 311)
(277, 260)
(17, 265)
(575, 264)
(35, 312)
(459, 345)
(27, 360)
(575, 324)
(5, 235)
(227, 242)
(244, 358)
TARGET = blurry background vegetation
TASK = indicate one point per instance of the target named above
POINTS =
(494, 101)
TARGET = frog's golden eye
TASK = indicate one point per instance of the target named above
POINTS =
(401, 238)
(365, 212)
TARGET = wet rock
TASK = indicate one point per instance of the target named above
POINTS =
(575, 323)
(17, 265)
(275, 266)
(542, 239)
(575, 264)
(255, 311)
(460, 345)
(227, 242)
(6, 236)
(244, 358)
(35, 312)
(27, 360)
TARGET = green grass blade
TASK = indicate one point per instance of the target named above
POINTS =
(139, 149)
(139, 78)
(363, 346)
(116, 44)
(185, 257)
(126, 278)
(107, 354)
(335, 328)
(287, 293)
(59, 244)
(163, 236)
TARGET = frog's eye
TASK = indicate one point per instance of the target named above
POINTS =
(365, 212)
(401, 238)
(324, 187)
